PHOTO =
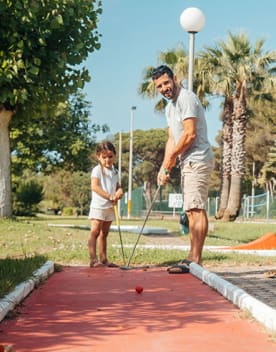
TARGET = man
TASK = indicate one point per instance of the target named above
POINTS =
(187, 139)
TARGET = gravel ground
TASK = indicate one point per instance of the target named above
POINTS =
(252, 279)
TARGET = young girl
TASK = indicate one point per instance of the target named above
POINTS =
(106, 191)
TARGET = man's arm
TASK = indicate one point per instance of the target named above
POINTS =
(186, 140)
(170, 146)
(163, 176)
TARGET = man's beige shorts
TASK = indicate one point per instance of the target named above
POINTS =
(102, 214)
(195, 179)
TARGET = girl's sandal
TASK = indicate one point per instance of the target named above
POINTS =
(98, 265)
(94, 263)
(110, 264)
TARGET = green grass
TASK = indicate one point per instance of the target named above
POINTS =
(26, 243)
(14, 271)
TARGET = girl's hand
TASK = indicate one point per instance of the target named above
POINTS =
(118, 195)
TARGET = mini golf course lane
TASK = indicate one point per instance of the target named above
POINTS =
(83, 309)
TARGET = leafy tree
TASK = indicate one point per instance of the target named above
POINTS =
(268, 172)
(42, 45)
(261, 136)
(81, 191)
(68, 189)
(260, 144)
(65, 142)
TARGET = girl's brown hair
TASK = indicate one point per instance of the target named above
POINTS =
(105, 146)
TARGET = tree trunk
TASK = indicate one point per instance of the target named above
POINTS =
(226, 154)
(147, 194)
(238, 153)
(5, 164)
(224, 194)
(234, 201)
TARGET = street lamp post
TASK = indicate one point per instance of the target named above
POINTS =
(192, 20)
(129, 198)
(120, 168)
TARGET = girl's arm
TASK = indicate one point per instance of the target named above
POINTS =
(119, 192)
(96, 187)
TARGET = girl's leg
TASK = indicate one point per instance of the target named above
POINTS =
(103, 241)
(96, 226)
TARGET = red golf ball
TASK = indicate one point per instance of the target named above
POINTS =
(139, 289)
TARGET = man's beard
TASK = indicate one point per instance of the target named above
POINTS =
(172, 93)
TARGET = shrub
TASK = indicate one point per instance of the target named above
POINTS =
(27, 197)
(68, 211)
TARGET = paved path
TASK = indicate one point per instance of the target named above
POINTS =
(82, 309)
(252, 279)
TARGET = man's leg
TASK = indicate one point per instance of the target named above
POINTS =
(198, 226)
(195, 182)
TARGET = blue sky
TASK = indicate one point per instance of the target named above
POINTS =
(134, 32)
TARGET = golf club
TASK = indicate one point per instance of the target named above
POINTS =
(119, 230)
(138, 238)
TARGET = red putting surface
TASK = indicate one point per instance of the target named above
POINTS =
(98, 310)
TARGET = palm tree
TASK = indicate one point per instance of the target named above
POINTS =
(177, 60)
(235, 70)
(211, 68)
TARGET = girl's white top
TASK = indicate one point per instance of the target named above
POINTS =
(108, 181)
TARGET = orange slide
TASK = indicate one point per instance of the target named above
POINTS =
(267, 241)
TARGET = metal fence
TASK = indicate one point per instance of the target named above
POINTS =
(261, 206)
(258, 206)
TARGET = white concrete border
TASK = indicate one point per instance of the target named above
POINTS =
(260, 252)
(259, 310)
(22, 290)
(124, 228)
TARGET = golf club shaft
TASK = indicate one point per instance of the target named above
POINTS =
(119, 230)
(146, 218)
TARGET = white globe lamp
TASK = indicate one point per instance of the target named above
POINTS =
(192, 20)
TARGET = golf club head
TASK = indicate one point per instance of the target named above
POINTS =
(125, 267)
(142, 267)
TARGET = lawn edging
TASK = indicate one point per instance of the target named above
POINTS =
(23, 289)
(263, 313)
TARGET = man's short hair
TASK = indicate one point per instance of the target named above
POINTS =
(160, 71)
